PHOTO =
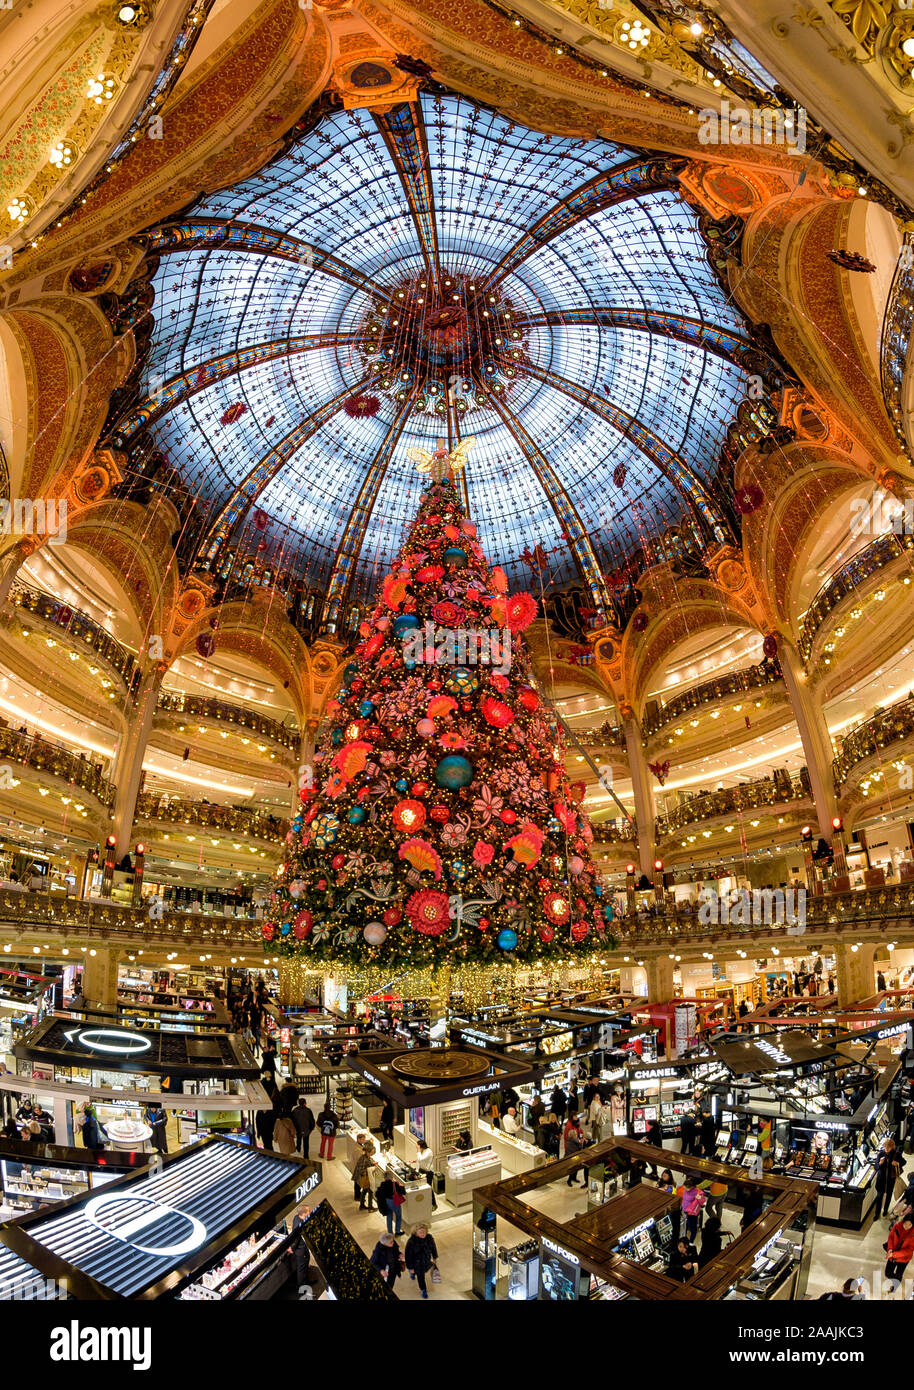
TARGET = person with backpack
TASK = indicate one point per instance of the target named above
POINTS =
(328, 1122)
(693, 1202)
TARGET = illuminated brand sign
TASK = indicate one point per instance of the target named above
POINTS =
(559, 1250)
(109, 1040)
(776, 1054)
(648, 1074)
(137, 1214)
(830, 1124)
(892, 1032)
(474, 1036)
(477, 1090)
(307, 1186)
(637, 1230)
(370, 1076)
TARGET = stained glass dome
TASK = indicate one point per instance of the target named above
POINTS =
(442, 272)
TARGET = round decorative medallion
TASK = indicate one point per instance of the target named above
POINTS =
(439, 1064)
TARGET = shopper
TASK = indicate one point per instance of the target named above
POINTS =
(665, 1181)
(361, 1176)
(753, 1206)
(683, 1261)
(693, 1202)
(157, 1121)
(421, 1254)
(535, 1113)
(264, 1124)
(574, 1103)
(44, 1122)
(328, 1122)
(268, 1059)
(574, 1142)
(549, 1134)
(888, 1167)
(654, 1134)
(464, 1141)
(707, 1133)
(387, 1121)
(711, 1241)
(386, 1259)
(90, 1129)
(390, 1197)
(899, 1248)
(509, 1123)
(687, 1126)
(303, 1119)
(285, 1135)
(558, 1103)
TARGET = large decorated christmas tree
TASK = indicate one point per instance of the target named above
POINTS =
(441, 826)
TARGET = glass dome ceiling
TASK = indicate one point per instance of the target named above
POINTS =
(467, 277)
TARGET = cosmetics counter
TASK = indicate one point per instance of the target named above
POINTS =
(40, 1175)
(667, 1091)
(24, 1000)
(621, 1247)
(224, 1202)
(514, 1154)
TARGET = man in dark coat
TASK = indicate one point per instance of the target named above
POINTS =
(687, 1130)
(303, 1119)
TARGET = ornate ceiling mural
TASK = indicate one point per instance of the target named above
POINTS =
(441, 271)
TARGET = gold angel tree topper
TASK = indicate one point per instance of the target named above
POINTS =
(443, 463)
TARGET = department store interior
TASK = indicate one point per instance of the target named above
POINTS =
(456, 696)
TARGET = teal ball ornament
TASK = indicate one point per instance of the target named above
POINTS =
(506, 939)
(455, 558)
(458, 869)
(461, 681)
(285, 928)
(401, 784)
(454, 772)
(366, 708)
(405, 622)
(336, 737)
(350, 671)
(357, 815)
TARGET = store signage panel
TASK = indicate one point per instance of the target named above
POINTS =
(120, 1041)
(163, 1216)
(794, 1049)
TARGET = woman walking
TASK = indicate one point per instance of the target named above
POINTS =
(421, 1254)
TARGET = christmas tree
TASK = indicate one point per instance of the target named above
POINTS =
(441, 826)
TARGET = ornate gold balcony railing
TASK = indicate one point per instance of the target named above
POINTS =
(847, 580)
(237, 820)
(23, 912)
(607, 736)
(81, 627)
(767, 791)
(865, 740)
(208, 707)
(883, 910)
(623, 832)
(32, 751)
(710, 692)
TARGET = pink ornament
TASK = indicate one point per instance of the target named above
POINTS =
(375, 933)
(425, 728)
(382, 623)
(576, 864)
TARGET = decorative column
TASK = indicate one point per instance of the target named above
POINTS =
(814, 736)
(291, 983)
(855, 973)
(12, 561)
(659, 979)
(304, 776)
(99, 982)
(128, 767)
(641, 789)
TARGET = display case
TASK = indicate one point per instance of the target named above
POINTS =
(466, 1171)
(485, 1260)
(251, 1270)
(776, 1272)
(514, 1153)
